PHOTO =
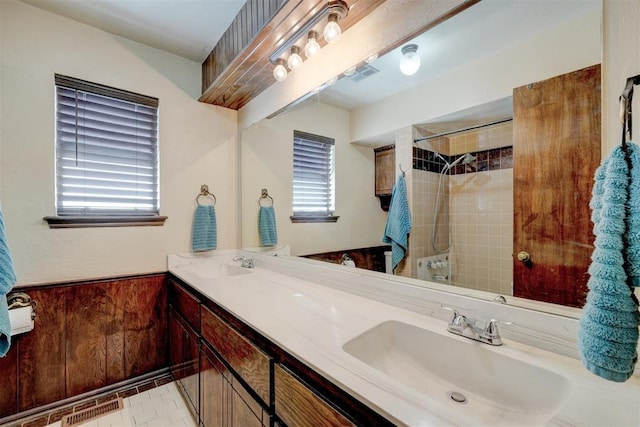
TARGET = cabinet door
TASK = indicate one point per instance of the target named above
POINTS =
(247, 360)
(385, 171)
(299, 406)
(245, 410)
(185, 358)
(214, 393)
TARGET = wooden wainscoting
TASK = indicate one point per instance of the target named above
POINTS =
(368, 258)
(87, 335)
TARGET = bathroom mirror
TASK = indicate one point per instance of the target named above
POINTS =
(470, 65)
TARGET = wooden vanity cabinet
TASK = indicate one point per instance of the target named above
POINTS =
(203, 350)
(242, 380)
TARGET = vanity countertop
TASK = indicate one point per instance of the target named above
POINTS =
(313, 322)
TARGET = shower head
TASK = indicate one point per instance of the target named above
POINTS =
(466, 159)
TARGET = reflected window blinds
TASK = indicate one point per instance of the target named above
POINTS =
(313, 174)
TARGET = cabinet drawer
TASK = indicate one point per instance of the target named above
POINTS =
(186, 304)
(247, 360)
(298, 406)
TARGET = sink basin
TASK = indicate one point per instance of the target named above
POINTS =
(215, 270)
(496, 389)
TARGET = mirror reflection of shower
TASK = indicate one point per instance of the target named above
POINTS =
(466, 159)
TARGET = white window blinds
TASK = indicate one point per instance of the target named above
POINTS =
(313, 174)
(106, 150)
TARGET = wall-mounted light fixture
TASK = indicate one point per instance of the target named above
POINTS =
(280, 71)
(334, 11)
(312, 47)
(295, 60)
(410, 61)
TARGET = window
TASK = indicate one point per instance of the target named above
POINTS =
(106, 156)
(313, 178)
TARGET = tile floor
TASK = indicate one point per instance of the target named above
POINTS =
(155, 403)
(158, 407)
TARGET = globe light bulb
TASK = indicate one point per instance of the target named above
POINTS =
(295, 60)
(410, 61)
(332, 30)
(280, 71)
(312, 47)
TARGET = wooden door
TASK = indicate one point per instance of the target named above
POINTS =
(556, 130)
(214, 393)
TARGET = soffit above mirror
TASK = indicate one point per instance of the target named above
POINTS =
(239, 68)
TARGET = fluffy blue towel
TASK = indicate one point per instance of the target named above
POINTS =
(633, 216)
(7, 280)
(267, 226)
(398, 225)
(205, 232)
(608, 330)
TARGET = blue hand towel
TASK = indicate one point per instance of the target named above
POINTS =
(633, 216)
(205, 232)
(398, 224)
(7, 280)
(608, 329)
(267, 226)
(5, 327)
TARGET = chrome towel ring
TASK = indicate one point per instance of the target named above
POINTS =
(265, 197)
(204, 192)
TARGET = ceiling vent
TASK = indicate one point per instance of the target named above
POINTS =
(363, 72)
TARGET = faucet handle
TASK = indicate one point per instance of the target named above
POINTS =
(491, 330)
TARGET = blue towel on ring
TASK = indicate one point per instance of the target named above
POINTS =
(267, 226)
(608, 328)
(7, 280)
(205, 232)
(398, 224)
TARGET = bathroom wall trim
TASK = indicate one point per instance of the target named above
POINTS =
(87, 335)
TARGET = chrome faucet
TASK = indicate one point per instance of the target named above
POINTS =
(246, 262)
(466, 327)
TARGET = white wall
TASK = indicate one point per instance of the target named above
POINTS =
(621, 59)
(575, 45)
(392, 21)
(198, 145)
(267, 162)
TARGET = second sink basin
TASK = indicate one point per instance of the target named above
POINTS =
(473, 384)
(215, 270)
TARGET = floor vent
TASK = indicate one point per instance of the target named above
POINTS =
(89, 414)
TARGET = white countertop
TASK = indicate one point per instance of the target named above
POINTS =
(313, 322)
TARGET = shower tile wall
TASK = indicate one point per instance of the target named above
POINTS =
(480, 197)
(481, 209)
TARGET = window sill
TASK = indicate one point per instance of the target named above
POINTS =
(103, 221)
(314, 218)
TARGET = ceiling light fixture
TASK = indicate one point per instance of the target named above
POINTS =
(280, 71)
(335, 10)
(410, 61)
(349, 71)
(312, 47)
(371, 59)
(295, 60)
